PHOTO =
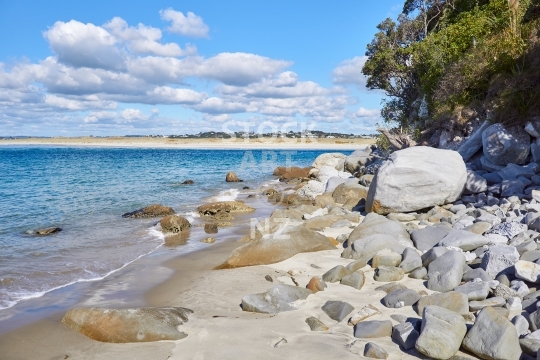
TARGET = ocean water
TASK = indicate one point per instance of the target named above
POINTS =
(86, 190)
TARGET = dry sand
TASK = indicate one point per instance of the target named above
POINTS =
(217, 143)
(219, 329)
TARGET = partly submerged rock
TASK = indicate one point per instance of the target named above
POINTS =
(417, 178)
(128, 325)
(212, 209)
(232, 177)
(48, 231)
(174, 224)
(155, 210)
(277, 299)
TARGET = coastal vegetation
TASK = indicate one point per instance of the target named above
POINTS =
(447, 63)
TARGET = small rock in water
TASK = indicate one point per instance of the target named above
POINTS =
(155, 210)
(208, 240)
(188, 182)
(316, 324)
(337, 310)
(48, 231)
(374, 351)
(211, 228)
(174, 224)
(232, 177)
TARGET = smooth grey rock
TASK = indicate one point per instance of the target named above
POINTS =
(355, 280)
(373, 329)
(416, 178)
(374, 351)
(475, 183)
(411, 260)
(435, 253)
(380, 225)
(355, 266)
(400, 298)
(442, 333)
(388, 288)
(499, 259)
(492, 178)
(337, 310)
(366, 248)
(534, 320)
(511, 188)
(531, 256)
(474, 143)
(445, 272)
(491, 302)
(388, 273)
(405, 335)
(503, 145)
(476, 274)
(513, 172)
(419, 273)
(493, 337)
(488, 165)
(277, 299)
(386, 257)
(465, 240)
(527, 270)
(452, 301)
(316, 324)
(475, 291)
(521, 324)
(426, 238)
(335, 274)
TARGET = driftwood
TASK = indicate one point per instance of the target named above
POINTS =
(399, 141)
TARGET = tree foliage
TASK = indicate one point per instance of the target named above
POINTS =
(452, 53)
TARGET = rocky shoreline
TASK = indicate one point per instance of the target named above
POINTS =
(428, 253)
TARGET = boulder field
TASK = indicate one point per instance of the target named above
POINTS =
(431, 251)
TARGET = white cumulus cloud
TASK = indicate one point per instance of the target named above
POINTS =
(190, 25)
(349, 72)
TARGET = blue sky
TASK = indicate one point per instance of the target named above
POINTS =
(171, 67)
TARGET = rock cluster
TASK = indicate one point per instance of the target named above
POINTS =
(466, 227)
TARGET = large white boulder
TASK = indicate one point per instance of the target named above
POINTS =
(335, 160)
(416, 178)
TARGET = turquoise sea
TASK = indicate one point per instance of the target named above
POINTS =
(85, 191)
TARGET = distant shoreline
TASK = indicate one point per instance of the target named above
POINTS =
(206, 143)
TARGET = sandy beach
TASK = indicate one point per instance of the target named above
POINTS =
(208, 143)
